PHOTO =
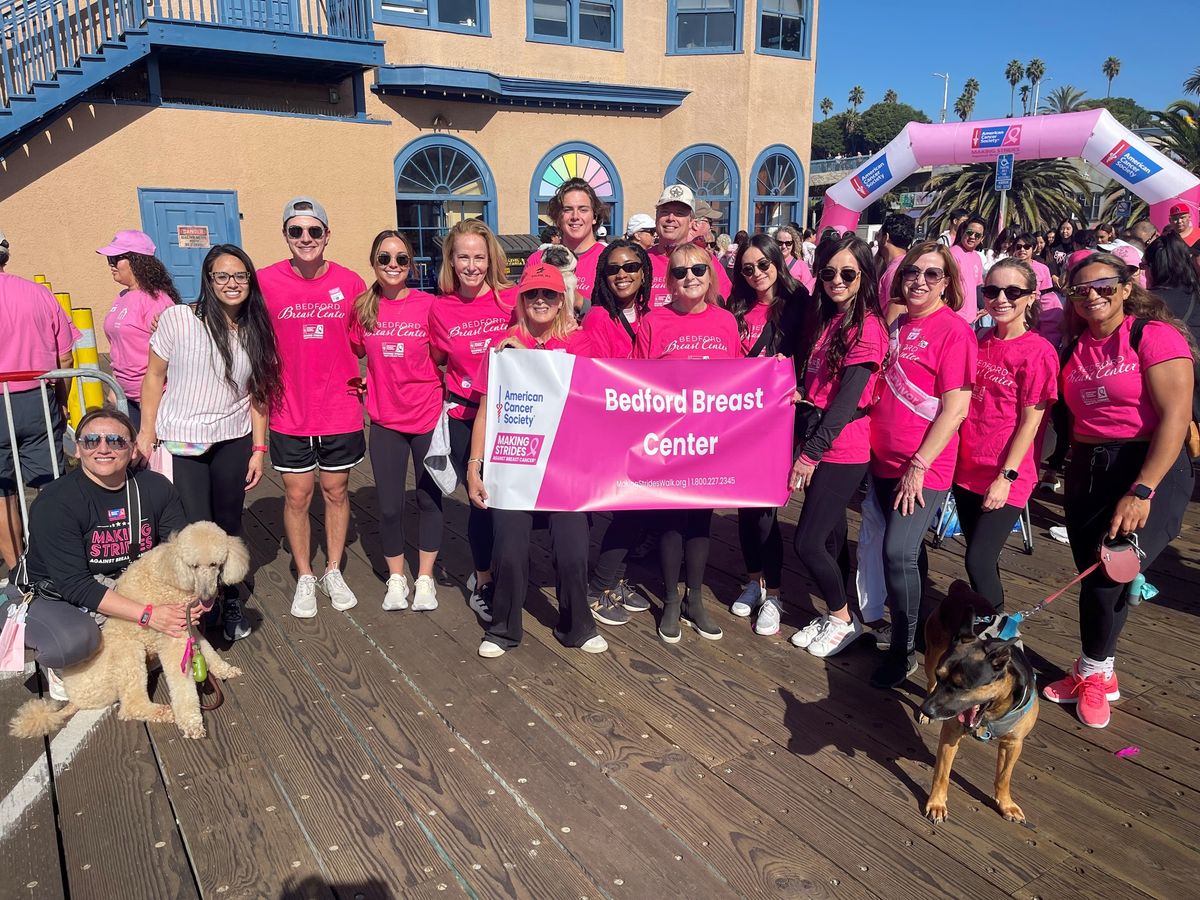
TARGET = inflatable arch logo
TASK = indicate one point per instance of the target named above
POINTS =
(1093, 135)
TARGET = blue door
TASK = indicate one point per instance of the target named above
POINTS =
(276, 15)
(183, 225)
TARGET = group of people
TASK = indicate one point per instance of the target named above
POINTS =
(920, 367)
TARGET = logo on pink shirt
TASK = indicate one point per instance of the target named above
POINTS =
(314, 332)
(1105, 368)
(689, 343)
(312, 311)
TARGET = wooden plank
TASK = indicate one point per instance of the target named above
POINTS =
(1077, 878)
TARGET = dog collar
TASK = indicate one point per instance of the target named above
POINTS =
(998, 728)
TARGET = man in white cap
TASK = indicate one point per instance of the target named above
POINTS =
(673, 216)
(641, 230)
(317, 426)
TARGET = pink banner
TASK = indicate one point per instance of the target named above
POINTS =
(566, 432)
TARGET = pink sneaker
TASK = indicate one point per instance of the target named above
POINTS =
(1092, 708)
(1066, 690)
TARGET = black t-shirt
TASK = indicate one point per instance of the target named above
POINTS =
(78, 528)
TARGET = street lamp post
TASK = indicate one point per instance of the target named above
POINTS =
(945, 76)
(1037, 92)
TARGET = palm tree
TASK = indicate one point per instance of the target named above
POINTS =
(1014, 72)
(890, 96)
(1191, 84)
(856, 96)
(826, 107)
(1043, 190)
(1111, 69)
(1024, 99)
(964, 106)
(971, 88)
(1035, 72)
(1113, 195)
(1180, 123)
(850, 121)
(1063, 99)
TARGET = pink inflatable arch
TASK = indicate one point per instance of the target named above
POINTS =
(1093, 135)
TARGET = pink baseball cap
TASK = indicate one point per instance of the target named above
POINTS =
(1131, 256)
(1079, 256)
(130, 241)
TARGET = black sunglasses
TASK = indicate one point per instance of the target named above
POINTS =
(113, 260)
(848, 275)
(786, 243)
(763, 265)
(630, 267)
(92, 441)
(680, 272)
(385, 259)
(932, 275)
(1022, 246)
(974, 234)
(1012, 292)
(316, 232)
(553, 298)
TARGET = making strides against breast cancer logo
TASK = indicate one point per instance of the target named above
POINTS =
(874, 176)
(996, 139)
(1130, 163)
(519, 408)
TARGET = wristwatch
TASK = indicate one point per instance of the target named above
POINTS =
(144, 619)
(1010, 475)
(1142, 492)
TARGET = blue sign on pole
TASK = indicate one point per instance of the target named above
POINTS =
(1004, 171)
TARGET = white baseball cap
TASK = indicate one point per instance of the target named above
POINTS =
(639, 222)
(677, 193)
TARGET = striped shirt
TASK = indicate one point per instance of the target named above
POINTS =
(198, 404)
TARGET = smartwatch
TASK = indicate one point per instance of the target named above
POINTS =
(144, 619)
(1010, 475)
(1142, 492)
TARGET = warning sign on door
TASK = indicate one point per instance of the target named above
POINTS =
(193, 236)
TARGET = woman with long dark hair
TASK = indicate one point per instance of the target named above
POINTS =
(1173, 279)
(213, 373)
(838, 384)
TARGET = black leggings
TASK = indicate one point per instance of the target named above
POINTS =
(762, 546)
(390, 451)
(212, 485)
(479, 521)
(1096, 479)
(623, 533)
(684, 530)
(60, 633)
(820, 537)
(569, 546)
(986, 531)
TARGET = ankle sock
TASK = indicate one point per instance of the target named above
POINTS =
(1089, 666)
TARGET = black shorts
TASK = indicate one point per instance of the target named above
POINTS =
(35, 447)
(330, 453)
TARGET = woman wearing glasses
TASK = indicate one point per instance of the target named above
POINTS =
(1127, 381)
(839, 378)
(543, 322)
(390, 327)
(146, 290)
(923, 398)
(771, 309)
(968, 259)
(1050, 312)
(691, 326)
(213, 373)
(789, 241)
(1015, 381)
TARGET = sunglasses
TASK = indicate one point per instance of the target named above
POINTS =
(92, 441)
(680, 272)
(611, 269)
(385, 259)
(1022, 246)
(113, 260)
(222, 278)
(544, 294)
(763, 265)
(1105, 287)
(973, 234)
(1012, 292)
(786, 243)
(829, 273)
(316, 232)
(932, 275)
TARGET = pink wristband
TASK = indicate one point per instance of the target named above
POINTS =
(808, 462)
(919, 461)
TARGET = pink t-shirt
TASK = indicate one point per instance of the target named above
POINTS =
(609, 338)
(404, 386)
(802, 273)
(1042, 273)
(585, 268)
(756, 321)
(886, 280)
(1103, 384)
(659, 296)
(1009, 376)
(577, 344)
(970, 279)
(868, 347)
(937, 354)
(128, 327)
(37, 332)
(312, 331)
(711, 333)
(463, 330)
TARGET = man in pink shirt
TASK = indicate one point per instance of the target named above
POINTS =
(673, 218)
(317, 425)
(38, 337)
(893, 241)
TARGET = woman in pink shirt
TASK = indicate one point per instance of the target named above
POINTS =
(790, 243)
(474, 311)
(1050, 313)
(146, 290)
(1128, 381)
(1015, 381)
(691, 326)
(923, 398)
(578, 212)
(968, 260)
(390, 327)
(544, 322)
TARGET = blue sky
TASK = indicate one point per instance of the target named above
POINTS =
(882, 45)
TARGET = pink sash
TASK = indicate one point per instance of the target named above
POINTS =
(906, 392)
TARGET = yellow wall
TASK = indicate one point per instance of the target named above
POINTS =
(71, 187)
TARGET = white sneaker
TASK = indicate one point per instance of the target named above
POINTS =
(488, 650)
(595, 644)
(426, 598)
(808, 633)
(753, 596)
(304, 601)
(835, 637)
(341, 597)
(397, 593)
(767, 622)
(1059, 533)
(54, 684)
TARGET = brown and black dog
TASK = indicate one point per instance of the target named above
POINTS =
(983, 687)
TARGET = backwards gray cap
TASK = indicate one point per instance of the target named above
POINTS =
(305, 206)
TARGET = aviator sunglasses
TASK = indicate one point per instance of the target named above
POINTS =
(92, 441)
(316, 232)
(848, 275)
(1012, 292)
(385, 259)
(680, 272)
(932, 275)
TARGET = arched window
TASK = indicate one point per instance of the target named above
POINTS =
(440, 181)
(778, 189)
(575, 160)
(713, 177)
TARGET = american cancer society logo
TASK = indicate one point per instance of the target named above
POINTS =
(1130, 163)
(517, 449)
(1000, 138)
(872, 178)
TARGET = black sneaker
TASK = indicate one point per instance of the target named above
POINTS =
(642, 550)
(235, 625)
(481, 601)
(607, 609)
(697, 616)
(883, 636)
(629, 597)
(894, 670)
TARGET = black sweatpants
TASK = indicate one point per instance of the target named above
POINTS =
(61, 633)
(624, 532)
(986, 531)
(212, 485)
(569, 548)
(479, 521)
(1096, 479)
(685, 534)
(762, 545)
(390, 451)
(820, 536)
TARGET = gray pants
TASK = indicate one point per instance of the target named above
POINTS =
(60, 633)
